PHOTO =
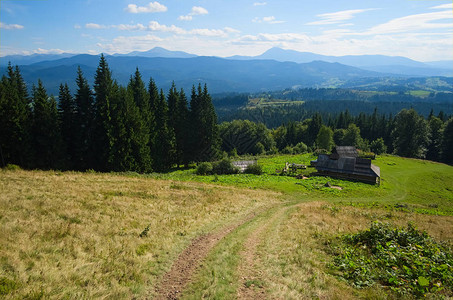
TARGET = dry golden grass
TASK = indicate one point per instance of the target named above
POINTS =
(76, 235)
(294, 265)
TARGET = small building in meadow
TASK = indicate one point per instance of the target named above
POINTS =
(344, 163)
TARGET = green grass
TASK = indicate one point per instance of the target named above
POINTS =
(416, 185)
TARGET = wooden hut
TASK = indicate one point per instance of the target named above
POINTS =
(340, 165)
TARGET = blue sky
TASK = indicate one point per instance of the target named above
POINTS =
(418, 29)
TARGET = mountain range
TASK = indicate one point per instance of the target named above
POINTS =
(275, 69)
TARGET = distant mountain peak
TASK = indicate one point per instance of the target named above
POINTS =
(159, 52)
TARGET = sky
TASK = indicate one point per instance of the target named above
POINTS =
(418, 29)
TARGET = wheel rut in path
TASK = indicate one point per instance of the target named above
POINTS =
(251, 278)
(180, 274)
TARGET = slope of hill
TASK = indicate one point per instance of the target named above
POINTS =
(123, 236)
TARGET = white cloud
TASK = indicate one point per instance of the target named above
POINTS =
(185, 18)
(410, 23)
(231, 30)
(208, 32)
(443, 6)
(77, 26)
(123, 44)
(259, 3)
(10, 26)
(155, 26)
(152, 7)
(196, 11)
(337, 17)
(95, 26)
(270, 20)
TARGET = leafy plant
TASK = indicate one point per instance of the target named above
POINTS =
(406, 260)
(204, 168)
(255, 169)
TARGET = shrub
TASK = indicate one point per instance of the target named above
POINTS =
(11, 167)
(224, 166)
(204, 168)
(300, 148)
(378, 146)
(287, 150)
(406, 260)
(254, 169)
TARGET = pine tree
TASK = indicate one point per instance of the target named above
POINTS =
(447, 142)
(45, 130)
(313, 128)
(164, 139)
(435, 131)
(84, 134)
(138, 118)
(15, 119)
(178, 122)
(205, 143)
(410, 134)
(66, 109)
(182, 133)
(103, 85)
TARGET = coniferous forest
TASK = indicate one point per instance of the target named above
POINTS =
(109, 127)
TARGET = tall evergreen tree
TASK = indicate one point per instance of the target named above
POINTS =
(103, 85)
(137, 120)
(45, 130)
(164, 138)
(15, 118)
(447, 142)
(313, 129)
(435, 131)
(84, 134)
(178, 122)
(205, 139)
(66, 109)
(182, 131)
(410, 134)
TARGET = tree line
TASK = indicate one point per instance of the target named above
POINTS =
(407, 134)
(107, 127)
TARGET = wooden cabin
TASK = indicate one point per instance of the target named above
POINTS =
(344, 163)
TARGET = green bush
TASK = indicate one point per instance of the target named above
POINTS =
(204, 168)
(287, 150)
(300, 148)
(224, 166)
(405, 260)
(255, 169)
(11, 167)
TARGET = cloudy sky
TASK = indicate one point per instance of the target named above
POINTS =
(418, 29)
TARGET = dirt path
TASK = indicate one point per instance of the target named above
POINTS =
(251, 278)
(180, 274)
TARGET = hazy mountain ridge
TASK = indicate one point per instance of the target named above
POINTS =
(262, 73)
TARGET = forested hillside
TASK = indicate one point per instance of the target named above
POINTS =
(110, 127)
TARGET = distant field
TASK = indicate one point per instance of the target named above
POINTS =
(90, 235)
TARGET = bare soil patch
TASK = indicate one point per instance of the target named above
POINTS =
(180, 274)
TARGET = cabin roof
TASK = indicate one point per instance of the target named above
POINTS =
(348, 165)
(344, 151)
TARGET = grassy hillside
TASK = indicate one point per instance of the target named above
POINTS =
(90, 235)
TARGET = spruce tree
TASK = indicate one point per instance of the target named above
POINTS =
(164, 139)
(15, 119)
(45, 130)
(447, 142)
(66, 109)
(138, 118)
(103, 85)
(83, 125)
(205, 144)
(178, 114)
(410, 134)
